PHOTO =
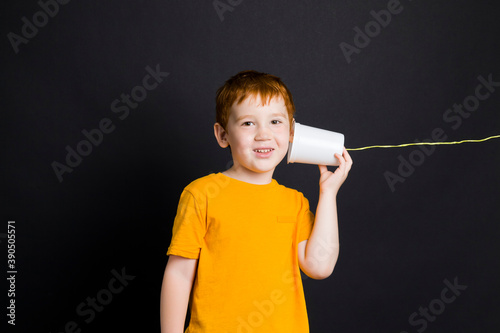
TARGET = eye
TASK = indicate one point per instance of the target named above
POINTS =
(276, 121)
(247, 123)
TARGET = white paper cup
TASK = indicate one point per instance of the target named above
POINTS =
(315, 146)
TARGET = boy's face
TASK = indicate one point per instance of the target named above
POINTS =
(257, 134)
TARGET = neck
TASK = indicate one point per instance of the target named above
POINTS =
(248, 176)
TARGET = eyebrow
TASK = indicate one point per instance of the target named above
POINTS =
(276, 114)
(243, 117)
(279, 114)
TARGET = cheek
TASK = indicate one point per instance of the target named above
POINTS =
(241, 140)
(282, 135)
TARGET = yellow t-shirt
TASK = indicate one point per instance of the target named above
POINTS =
(245, 238)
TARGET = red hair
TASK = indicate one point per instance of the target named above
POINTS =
(250, 84)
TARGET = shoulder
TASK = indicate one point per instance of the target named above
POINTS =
(291, 193)
(292, 202)
(207, 184)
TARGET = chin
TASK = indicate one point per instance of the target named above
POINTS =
(265, 168)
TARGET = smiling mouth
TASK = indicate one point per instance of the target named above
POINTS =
(267, 150)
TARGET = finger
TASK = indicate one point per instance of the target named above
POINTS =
(339, 157)
(322, 169)
(346, 156)
(348, 159)
(341, 163)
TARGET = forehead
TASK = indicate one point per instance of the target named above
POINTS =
(255, 104)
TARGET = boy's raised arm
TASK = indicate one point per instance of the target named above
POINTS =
(176, 288)
(318, 255)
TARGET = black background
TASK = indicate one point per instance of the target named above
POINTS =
(115, 210)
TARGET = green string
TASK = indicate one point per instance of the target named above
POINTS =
(425, 143)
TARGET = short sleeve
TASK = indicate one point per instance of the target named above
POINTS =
(189, 228)
(306, 220)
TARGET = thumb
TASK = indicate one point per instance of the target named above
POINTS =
(322, 169)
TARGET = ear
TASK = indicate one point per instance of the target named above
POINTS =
(221, 135)
(292, 130)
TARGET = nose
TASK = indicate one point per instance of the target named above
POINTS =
(264, 133)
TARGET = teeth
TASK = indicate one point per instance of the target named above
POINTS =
(263, 150)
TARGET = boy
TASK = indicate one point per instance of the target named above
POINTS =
(240, 238)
